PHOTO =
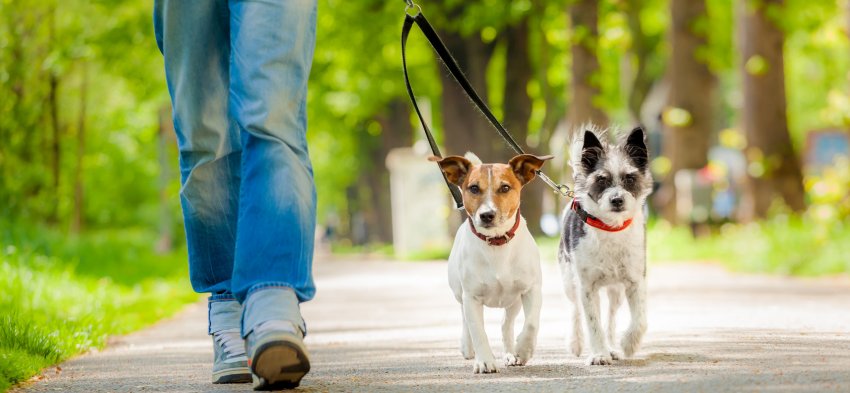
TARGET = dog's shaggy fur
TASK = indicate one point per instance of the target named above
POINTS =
(612, 182)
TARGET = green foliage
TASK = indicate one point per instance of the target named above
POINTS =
(62, 296)
(112, 45)
(816, 66)
(829, 194)
(784, 244)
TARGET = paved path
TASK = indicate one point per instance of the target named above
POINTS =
(379, 326)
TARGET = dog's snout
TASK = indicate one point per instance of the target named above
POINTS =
(487, 217)
(617, 201)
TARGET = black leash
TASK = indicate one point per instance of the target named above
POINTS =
(443, 53)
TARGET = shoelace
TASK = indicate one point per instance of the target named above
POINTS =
(231, 341)
(277, 326)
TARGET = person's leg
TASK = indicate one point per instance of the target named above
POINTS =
(272, 48)
(194, 38)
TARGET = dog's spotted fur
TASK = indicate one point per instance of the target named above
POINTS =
(592, 259)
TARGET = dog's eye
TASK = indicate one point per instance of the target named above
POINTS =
(474, 189)
(602, 180)
(629, 180)
(505, 188)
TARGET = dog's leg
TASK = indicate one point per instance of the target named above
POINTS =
(527, 340)
(473, 313)
(465, 340)
(508, 333)
(577, 339)
(636, 295)
(599, 354)
(614, 300)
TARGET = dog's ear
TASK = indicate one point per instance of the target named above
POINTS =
(635, 148)
(454, 167)
(591, 151)
(525, 165)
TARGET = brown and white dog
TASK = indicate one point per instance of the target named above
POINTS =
(495, 261)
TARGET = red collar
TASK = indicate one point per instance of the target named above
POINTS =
(499, 240)
(595, 222)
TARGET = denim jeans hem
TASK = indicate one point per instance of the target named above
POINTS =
(267, 285)
(268, 302)
(223, 314)
(221, 297)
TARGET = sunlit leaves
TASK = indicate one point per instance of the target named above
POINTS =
(756, 65)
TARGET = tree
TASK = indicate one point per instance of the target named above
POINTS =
(395, 131)
(585, 64)
(774, 169)
(517, 108)
(78, 219)
(464, 128)
(688, 117)
(645, 50)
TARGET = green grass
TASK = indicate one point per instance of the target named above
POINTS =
(60, 296)
(788, 245)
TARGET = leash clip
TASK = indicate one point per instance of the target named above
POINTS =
(561, 189)
(565, 191)
(412, 6)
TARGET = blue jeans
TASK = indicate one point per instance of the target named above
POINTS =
(237, 75)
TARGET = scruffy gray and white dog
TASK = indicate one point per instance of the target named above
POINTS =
(603, 244)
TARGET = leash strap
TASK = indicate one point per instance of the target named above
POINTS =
(450, 63)
(405, 31)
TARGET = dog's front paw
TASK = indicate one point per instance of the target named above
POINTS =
(575, 346)
(602, 359)
(467, 351)
(631, 342)
(514, 360)
(484, 366)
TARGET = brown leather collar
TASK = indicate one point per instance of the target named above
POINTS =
(498, 240)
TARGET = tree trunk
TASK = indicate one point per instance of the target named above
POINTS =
(77, 222)
(464, 127)
(56, 141)
(583, 17)
(774, 169)
(847, 16)
(642, 47)
(517, 111)
(396, 131)
(688, 116)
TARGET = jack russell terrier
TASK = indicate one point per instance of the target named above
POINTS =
(494, 261)
(604, 239)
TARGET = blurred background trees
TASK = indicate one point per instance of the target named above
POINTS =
(85, 141)
(746, 103)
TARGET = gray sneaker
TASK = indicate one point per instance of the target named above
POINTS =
(230, 364)
(277, 355)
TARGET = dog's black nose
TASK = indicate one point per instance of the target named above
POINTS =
(487, 217)
(617, 201)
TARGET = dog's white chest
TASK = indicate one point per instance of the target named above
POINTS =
(495, 276)
(607, 257)
(498, 287)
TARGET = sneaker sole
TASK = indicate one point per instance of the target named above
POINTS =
(233, 375)
(279, 365)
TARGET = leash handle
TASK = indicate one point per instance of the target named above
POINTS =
(454, 69)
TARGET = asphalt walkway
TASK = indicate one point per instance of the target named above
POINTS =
(394, 326)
